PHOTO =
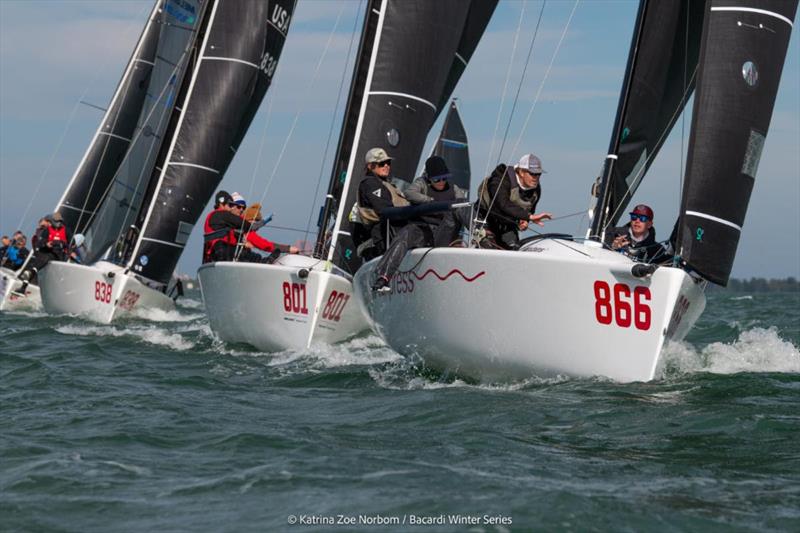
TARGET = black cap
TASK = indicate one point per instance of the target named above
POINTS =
(435, 167)
(222, 198)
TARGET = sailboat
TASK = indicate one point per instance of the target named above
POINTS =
(570, 306)
(214, 62)
(410, 57)
(453, 147)
(96, 169)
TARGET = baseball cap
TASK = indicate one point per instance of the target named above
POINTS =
(376, 155)
(238, 199)
(223, 198)
(642, 209)
(531, 163)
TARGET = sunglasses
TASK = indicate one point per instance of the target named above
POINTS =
(640, 218)
(383, 163)
(437, 179)
(236, 206)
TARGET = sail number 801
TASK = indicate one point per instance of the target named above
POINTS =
(621, 305)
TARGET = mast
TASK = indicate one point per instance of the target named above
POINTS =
(659, 79)
(113, 135)
(453, 147)
(233, 68)
(743, 51)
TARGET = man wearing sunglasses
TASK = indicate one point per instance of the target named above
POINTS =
(376, 194)
(507, 201)
(637, 238)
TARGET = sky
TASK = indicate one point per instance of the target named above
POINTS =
(55, 54)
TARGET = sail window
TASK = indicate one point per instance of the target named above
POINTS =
(752, 154)
(393, 137)
(184, 230)
(750, 73)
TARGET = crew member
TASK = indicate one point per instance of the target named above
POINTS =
(222, 226)
(376, 193)
(507, 201)
(637, 238)
(52, 244)
(255, 241)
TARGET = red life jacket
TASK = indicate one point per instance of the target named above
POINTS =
(59, 234)
(212, 236)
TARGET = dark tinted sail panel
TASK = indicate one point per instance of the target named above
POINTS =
(114, 136)
(744, 47)
(177, 24)
(453, 148)
(237, 62)
(659, 81)
(405, 82)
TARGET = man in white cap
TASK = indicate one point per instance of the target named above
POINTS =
(376, 193)
(507, 201)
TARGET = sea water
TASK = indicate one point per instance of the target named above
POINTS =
(153, 424)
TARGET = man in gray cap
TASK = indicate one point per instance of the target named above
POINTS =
(507, 201)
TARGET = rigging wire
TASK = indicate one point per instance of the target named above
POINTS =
(519, 87)
(333, 120)
(505, 89)
(271, 178)
(544, 79)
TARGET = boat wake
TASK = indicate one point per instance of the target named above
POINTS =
(149, 334)
(756, 350)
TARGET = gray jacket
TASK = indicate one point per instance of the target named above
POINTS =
(419, 191)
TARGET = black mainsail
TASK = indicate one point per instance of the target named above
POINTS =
(743, 51)
(399, 88)
(113, 137)
(659, 79)
(179, 22)
(231, 72)
(452, 146)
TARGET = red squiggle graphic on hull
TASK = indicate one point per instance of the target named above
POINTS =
(454, 271)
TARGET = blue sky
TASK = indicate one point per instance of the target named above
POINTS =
(55, 53)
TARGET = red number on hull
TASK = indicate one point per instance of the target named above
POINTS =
(620, 310)
(102, 291)
(294, 298)
(335, 305)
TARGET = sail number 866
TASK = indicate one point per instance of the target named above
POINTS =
(621, 305)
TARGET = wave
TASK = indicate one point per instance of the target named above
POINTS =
(148, 334)
(160, 315)
(746, 297)
(756, 350)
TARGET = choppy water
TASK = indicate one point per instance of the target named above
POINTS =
(154, 425)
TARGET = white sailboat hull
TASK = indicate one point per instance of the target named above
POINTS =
(14, 301)
(102, 292)
(560, 307)
(272, 308)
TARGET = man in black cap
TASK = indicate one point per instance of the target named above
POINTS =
(507, 201)
(222, 227)
(437, 226)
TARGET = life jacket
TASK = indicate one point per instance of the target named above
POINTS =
(368, 216)
(516, 197)
(211, 236)
(59, 234)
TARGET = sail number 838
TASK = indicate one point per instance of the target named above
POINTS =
(621, 305)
